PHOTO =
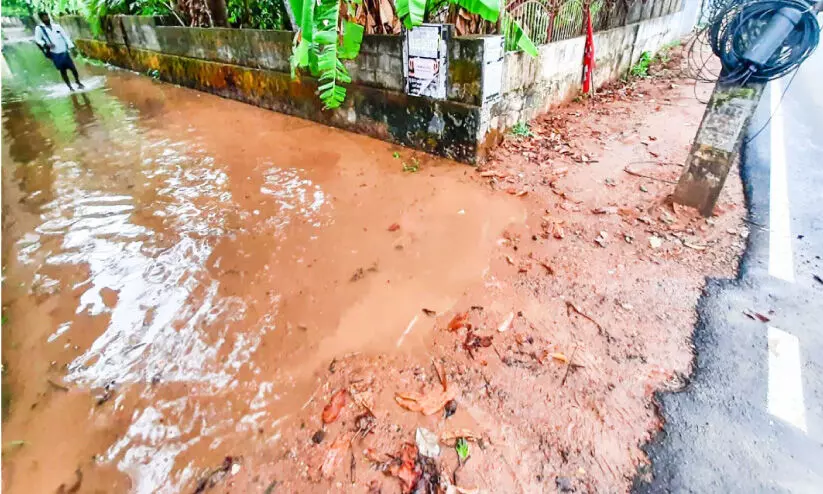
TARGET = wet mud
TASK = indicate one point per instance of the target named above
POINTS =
(199, 294)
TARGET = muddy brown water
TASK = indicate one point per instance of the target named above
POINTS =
(177, 266)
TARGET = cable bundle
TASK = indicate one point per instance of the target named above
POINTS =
(734, 27)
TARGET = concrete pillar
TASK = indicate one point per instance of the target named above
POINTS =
(716, 145)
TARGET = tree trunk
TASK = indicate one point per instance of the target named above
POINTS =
(219, 14)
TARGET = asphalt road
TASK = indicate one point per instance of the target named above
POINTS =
(751, 418)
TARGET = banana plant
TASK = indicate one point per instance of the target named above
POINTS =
(325, 37)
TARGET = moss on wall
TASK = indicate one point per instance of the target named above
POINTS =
(445, 128)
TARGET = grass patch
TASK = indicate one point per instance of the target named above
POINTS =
(641, 68)
(522, 130)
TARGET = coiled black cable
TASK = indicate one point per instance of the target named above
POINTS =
(738, 25)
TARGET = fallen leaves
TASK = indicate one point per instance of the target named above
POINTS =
(757, 316)
(506, 324)
(427, 442)
(450, 437)
(427, 403)
(474, 341)
(460, 320)
(335, 454)
(547, 267)
(405, 467)
(560, 357)
(394, 227)
(332, 410)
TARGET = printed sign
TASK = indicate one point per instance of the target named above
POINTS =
(494, 51)
(426, 63)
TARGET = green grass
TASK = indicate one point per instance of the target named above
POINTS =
(412, 167)
(522, 129)
(641, 68)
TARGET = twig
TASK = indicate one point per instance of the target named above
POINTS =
(568, 366)
(353, 467)
(570, 307)
(174, 13)
(459, 467)
(440, 376)
(636, 174)
(56, 386)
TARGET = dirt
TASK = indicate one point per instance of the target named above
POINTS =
(203, 295)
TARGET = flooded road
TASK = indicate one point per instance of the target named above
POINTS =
(178, 268)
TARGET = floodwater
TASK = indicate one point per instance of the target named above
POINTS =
(178, 268)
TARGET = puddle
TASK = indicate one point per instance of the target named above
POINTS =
(178, 267)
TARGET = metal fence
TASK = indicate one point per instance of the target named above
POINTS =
(545, 21)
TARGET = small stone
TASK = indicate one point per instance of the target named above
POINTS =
(450, 408)
(564, 484)
(318, 437)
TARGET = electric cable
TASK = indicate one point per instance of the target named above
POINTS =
(740, 25)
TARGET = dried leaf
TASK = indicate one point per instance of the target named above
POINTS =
(429, 312)
(426, 441)
(605, 210)
(394, 227)
(560, 357)
(405, 467)
(510, 260)
(506, 324)
(756, 316)
(335, 454)
(450, 437)
(548, 268)
(332, 410)
(427, 404)
(364, 398)
(458, 321)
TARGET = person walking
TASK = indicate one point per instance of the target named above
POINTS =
(55, 45)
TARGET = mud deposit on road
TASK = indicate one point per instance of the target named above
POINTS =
(202, 295)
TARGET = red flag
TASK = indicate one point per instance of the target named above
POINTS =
(588, 55)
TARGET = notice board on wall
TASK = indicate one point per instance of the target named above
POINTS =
(426, 61)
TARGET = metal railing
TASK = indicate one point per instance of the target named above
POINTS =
(545, 21)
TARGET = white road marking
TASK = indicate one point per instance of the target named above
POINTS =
(785, 394)
(781, 260)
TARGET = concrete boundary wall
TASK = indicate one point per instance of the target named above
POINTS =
(253, 66)
(532, 85)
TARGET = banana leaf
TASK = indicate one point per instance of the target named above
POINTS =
(352, 38)
(516, 37)
(411, 12)
(487, 9)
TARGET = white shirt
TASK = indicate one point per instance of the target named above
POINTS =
(54, 36)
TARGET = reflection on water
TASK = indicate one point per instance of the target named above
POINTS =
(128, 215)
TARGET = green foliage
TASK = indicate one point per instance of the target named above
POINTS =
(462, 448)
(352, 38)
(522, 130)
(257, 14)
(641, 68)
(489, 10)
(319, 47)
(412, 167)
(516, 38)
(325, 37)
(16, 8)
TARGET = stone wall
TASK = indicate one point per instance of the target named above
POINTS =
(253, 66)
